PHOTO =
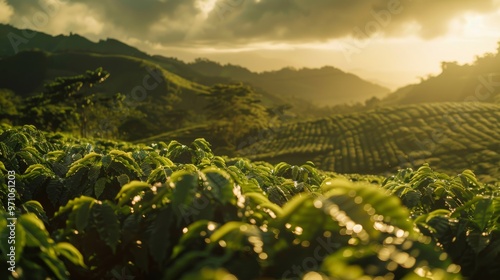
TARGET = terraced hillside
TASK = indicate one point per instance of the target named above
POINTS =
(450, 136)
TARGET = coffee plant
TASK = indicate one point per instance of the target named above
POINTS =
(94, 209)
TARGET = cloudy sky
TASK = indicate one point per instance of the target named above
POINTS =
(393, 42)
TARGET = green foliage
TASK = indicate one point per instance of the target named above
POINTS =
(450, 136)
(9, 103)
(174, 211)
(474, 82)
(150, 90)
(37, 256)
(236, 111)
(67, 101)
(461, 214)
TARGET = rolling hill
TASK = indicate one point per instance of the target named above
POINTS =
(325, 86)
(14, 40)
(449, 136)
(479, 81)
(148, 88)
(126, 72)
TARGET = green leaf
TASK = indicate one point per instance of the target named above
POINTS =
(123, 179)
(159, 240)
(36, 235)
(194, 233)
(81, 215)
(107, 224)
(99, 186)
(236, 236)
(478, 240)
(70, 252)
(262, 202)
(4, 234)
(54, 190)
(411, 198)
(208, 273)
(185, 263)
(55, 265)
(73, 204)
(130, 190)
(87, 161)
(483, 213)
(36, 208)
(20, 242)
(186, 185)
(219, 184)
(2, 167)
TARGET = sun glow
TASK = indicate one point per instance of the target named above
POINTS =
(206, 6)
(476, 26)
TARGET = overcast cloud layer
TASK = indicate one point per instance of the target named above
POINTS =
(236, 23)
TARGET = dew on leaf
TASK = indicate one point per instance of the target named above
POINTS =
(391, 266)
(443, 256)
(347, 253)
(400, 233)
(353, 241)
(453, 268)
(211, 226)
(298, 230)
(358, 200)
(318, 204)
(313, 276)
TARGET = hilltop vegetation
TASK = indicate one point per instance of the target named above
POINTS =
(306, 90)
(326, 86)
(169, 211)
(478, 81)
(15, 40)
(155, 100)
(450, 136)
(303, 89)
(130, 72)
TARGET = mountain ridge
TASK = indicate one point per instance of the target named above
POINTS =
(283, 84)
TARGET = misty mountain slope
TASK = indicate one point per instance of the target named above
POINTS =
(326, 86)
(15, 40)
(127, 73)
(450, 136)
(77, 45)
(303, 89)
(479, 81)
(156, 100)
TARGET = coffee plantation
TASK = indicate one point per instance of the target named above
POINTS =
(97, 209)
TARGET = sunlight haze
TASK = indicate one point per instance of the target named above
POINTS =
(392, 43)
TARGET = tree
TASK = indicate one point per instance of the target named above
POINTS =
(8, 106)
(449, 66)
(236, 111)
(372, 102)
(163, 113)
(68, 103)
